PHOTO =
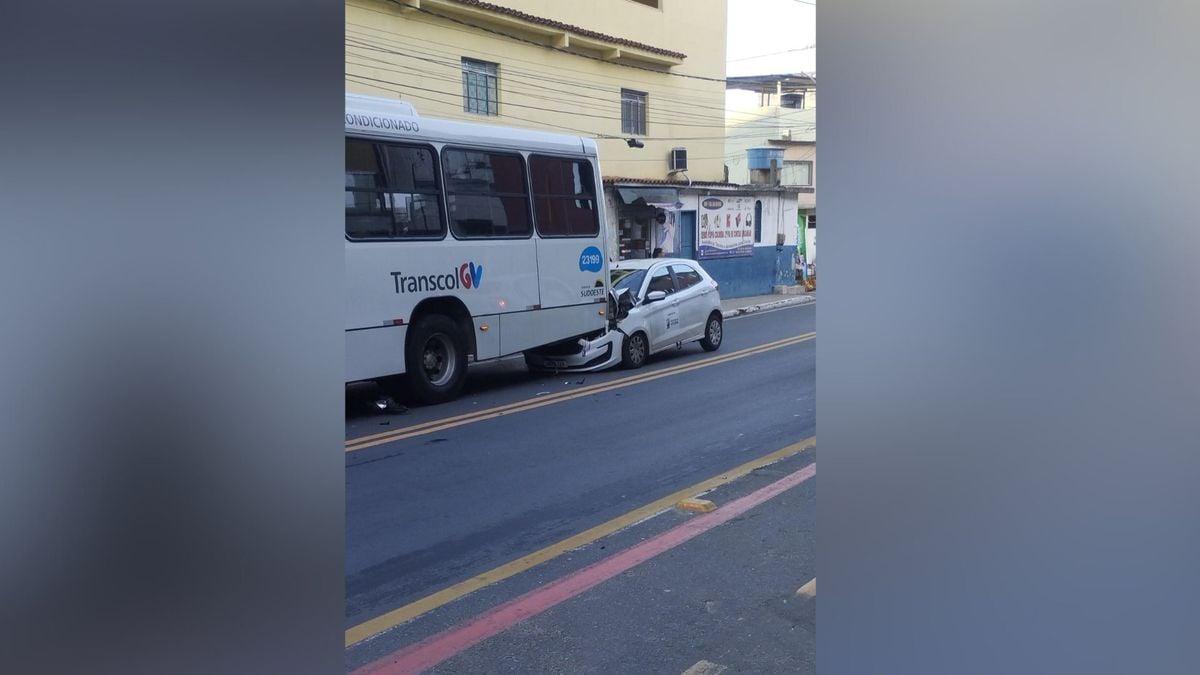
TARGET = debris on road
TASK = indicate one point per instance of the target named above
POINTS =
(388, 405)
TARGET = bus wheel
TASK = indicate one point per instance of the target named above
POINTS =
(436, 359)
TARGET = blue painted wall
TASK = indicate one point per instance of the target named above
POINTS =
(753, 275)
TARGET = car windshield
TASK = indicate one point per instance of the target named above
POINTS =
(630, 279)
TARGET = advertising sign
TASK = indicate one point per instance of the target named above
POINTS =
(726, 227)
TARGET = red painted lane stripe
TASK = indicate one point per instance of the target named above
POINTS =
(433, 650)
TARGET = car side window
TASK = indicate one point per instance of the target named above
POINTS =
(685, 276)
(660, 280)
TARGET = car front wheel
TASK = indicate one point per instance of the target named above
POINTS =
(714, 332)
(634, 351)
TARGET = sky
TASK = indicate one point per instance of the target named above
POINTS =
(762, 29)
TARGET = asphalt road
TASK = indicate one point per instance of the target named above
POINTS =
(440, 507)
(730, 599)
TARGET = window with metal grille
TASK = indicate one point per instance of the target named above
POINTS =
(797, 172)
(480, 88)
(564, 197)
(633, 112)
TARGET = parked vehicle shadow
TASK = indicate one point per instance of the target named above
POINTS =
(390, 397)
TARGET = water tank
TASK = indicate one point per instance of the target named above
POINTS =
(760, 158)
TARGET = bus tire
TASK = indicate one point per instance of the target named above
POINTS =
(634, 350)
(436, 359)
(531, 364)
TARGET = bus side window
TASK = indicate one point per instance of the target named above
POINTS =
(486, 194)
(392, 191)
(564, 197)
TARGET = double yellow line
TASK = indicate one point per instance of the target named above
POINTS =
(412, 610)
(364, 442)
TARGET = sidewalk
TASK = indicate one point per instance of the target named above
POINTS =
(759, 303)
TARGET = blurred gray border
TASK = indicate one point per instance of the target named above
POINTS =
(171, 488)
(1008, 360)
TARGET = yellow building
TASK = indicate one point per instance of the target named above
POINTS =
(646, 78)
(651, 70)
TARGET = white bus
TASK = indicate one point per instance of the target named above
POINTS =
(465, 242)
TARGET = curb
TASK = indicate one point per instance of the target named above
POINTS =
(774, 304)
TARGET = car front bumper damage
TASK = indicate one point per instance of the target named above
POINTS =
(591, 355)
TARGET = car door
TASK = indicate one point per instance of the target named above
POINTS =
(693, 305)
(661, 317)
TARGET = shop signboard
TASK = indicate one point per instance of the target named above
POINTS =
(726, 227)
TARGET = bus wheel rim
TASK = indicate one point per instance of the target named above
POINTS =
(437, 360)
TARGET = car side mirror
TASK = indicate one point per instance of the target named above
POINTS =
(655, 296)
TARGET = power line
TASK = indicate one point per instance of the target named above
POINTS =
(453, 99)
(413, 40)
(377, 85)
(381, 84)
(574, 130)
(611, 103)
(507, 78)
(510, 74)
(454, 61)
(563, 50)
(538, 108)
(759, 56)
(474, 31)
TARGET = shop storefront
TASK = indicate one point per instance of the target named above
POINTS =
(745, 236)
(647, 221)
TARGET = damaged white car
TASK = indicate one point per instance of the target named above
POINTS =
(654, 304)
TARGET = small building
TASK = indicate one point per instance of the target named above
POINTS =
(775, 117)
(743, 235)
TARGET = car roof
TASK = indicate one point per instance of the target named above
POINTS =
(646, 263)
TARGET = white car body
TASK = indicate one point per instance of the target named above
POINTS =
(690, 298)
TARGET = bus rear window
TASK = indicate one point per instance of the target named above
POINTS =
(392, 191)
(486, 194)
(564, 197)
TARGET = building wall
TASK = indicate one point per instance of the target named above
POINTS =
(770, 265)
(540, 87)
(748, 126)
(755, 275)
(804, 152)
